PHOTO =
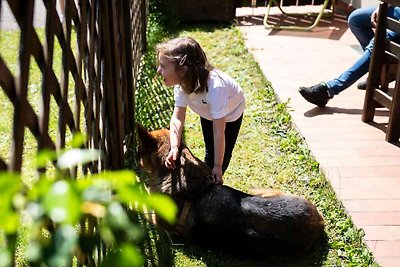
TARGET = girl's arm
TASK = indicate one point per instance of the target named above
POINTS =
(219, 148)
(175, 135)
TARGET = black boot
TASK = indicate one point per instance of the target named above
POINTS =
(362, 85)
(317, 94)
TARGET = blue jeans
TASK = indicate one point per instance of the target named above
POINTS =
(360, 24)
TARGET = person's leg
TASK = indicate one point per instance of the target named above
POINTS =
(396, 13)
(393, 12)
(321, 93)
(361, 66)
(231, 134)
(359, 22)
(359, 25)
(352, 74)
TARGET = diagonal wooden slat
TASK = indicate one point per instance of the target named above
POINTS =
(21, 85)
(127, 68)
(110, 38)
(37, 52)
(104, 72)
(118, 102)
(66, 57)
(109, 82)
(8, 84)
(44, 109)
(90, 73)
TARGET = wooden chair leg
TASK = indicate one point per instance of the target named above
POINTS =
(383, 69)
(388, 75)
(393, 130)
(370, 104)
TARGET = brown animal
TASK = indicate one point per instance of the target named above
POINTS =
(270, 222)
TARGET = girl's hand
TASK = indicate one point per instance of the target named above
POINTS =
(171, 158)
(217, 173)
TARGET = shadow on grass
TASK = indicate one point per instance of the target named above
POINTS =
(315, 257)
(160, 248)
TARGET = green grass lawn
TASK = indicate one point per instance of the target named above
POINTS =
(9, 46)
(269, 153)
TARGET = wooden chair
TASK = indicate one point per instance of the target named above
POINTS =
(384, 67)
(327, 9)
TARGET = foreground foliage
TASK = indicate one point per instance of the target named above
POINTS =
(59, 219)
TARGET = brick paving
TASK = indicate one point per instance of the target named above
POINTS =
(362, 167)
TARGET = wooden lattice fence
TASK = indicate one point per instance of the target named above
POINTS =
(101, 43)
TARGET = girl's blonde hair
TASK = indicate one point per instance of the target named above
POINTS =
(189, 58)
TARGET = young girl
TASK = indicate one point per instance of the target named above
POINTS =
(212, 94)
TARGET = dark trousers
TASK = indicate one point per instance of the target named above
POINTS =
(231, 134)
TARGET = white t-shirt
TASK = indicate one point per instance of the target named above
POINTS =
(224, 98)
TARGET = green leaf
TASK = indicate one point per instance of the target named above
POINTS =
(135, 232)
(118, 178)
(117, 217)
(75, 157)
(10, 186)
(9, 222)
(126, 255)
(78, 140)
(33, 251)
(40, 189)
(45, 156)
(5, 258)
(62, 203)
(65, 241)
(132, 193)
(99, 193)
(164, 206)
(35, 210)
